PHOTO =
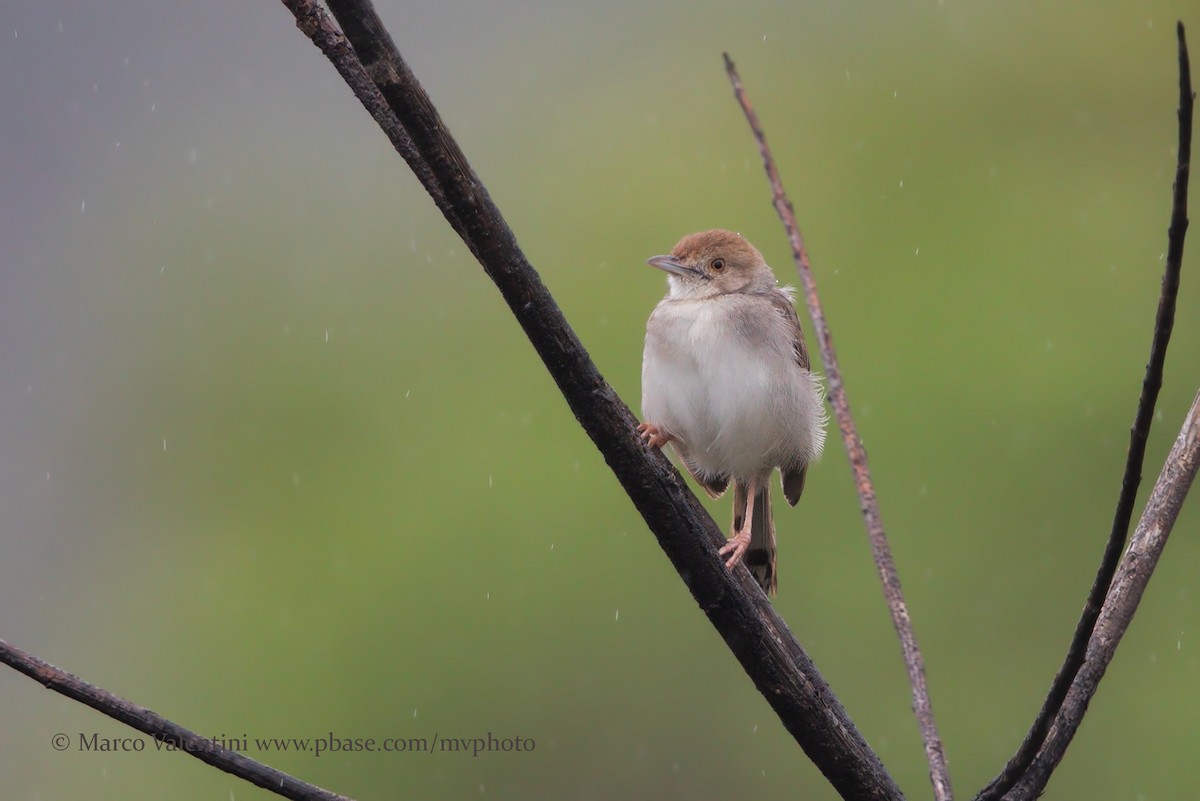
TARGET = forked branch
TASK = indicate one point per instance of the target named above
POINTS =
(775, 661)
(772, 657)
(1030, 767)
(1130, 582)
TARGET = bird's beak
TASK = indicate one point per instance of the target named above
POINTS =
(674, 266)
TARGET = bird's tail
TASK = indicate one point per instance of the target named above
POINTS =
(760, 557)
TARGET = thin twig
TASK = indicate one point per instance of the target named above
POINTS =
(1130, 581)
(166, 732)
(1138, 435)
(739, 611)
(880, 549)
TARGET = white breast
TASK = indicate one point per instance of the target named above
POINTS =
(740, 407)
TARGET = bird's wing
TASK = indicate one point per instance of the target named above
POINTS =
(793, 483)
(781, 300)
(714, 485)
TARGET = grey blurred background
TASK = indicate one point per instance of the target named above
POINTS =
(275, 461)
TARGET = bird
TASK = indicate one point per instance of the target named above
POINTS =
(726, 381)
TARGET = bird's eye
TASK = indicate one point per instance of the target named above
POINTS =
(718, 264)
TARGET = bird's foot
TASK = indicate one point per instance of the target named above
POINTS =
(652, 435)
(737, 546)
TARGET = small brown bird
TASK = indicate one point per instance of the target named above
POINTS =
(726, 381)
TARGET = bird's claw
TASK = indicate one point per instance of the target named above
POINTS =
(652, 435)
(738, 544)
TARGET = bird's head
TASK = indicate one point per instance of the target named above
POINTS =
(715, 262)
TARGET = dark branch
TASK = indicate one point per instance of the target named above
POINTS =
(1130, 582)
(736, 607)
(1164, 321)
(880, 550)
(161, 729)
(314, 21)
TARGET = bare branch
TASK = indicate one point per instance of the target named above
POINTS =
(772, 657)
(733, 602)
(314, 21)
(164, 731)
(880, 550)
(767, 650)
(1164, 322)
(1128, 585)
(1075, 683)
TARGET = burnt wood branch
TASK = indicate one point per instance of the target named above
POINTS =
(756, 635)
(314, 21)
(1139, 433)
(169, 734)
(1129, 583)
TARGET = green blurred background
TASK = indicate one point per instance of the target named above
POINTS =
(277, 461)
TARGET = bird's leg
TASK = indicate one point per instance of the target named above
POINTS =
(652, 435)
(740, 541)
